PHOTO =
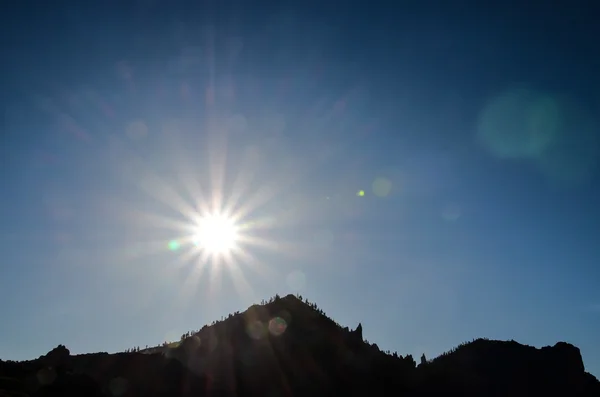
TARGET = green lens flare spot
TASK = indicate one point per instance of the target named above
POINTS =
(382, 187)
(360, 193)
(173, 245)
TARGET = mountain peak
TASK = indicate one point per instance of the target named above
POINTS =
(288, 345)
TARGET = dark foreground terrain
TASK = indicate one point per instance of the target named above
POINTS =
(288, 347)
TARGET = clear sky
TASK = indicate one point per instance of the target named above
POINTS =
(430, 171)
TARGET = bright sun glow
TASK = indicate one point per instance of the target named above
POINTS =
(217, 234)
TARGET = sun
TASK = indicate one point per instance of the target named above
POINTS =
(216, 234)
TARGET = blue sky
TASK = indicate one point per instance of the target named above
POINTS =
(472, 134)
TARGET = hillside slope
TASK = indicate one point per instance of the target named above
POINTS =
(287, 347)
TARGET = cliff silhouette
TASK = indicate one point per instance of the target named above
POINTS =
(289, 347)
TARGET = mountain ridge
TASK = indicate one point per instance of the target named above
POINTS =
(289, 346)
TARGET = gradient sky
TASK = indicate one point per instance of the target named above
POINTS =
(471, 131)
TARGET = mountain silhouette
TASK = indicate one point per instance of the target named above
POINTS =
(289, 347)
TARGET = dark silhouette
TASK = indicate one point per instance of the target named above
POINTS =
(289, 347)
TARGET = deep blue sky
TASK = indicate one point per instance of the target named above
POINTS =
(472, 130)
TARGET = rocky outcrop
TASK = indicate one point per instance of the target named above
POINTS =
(57, 357)
(564, 356)
(511, 368)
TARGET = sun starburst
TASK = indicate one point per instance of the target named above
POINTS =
(217, 234)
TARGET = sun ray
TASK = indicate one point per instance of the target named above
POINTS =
(259, 242)
(182, 164)
(193, 188)
(157, 221)
(190, 284)
(240, 283)
(255, 265)
(217, 158)
(241, 184)
(289, 174)
(216, 277)
(139, 172)
(161, 191)
(264, 194)
(183, 259)
(144, 248)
